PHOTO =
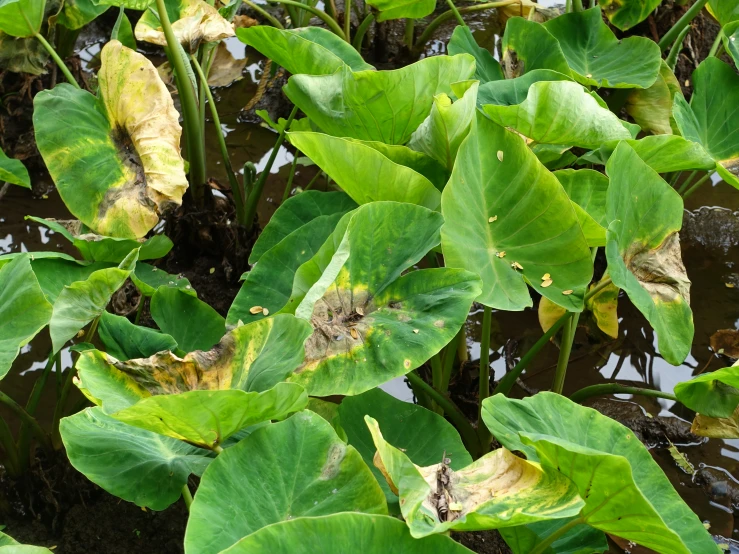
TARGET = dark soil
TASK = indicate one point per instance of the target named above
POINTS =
(483, 542)
(55, 506)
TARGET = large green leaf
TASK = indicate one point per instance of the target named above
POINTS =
(24, 310)
(560, 112)
(587, 189)
(370, 324)
(643, 249)
(625, 492)
(581, 539)
(724, 10)
(115, 158)
(487, 67)
(598, 58)
(5, 259)
(498, 490)
(270, 283)
(508, 219)
(399, 9)
(133, 464)
(310, 50)
(423, 435)
(97, 248)
(666, 153)
(295, 212)
(76, 14)
(55, 273)
(712, 119)
(386, 106)
(190, 321)
(383, 179)
(13, 171)
(528, 46)
(287, 470)
(624, 14)
(82, 301)
(342, 533)
(21, 18)
(193, 22)
(441, 133)
(252, 357)
(125, 341)
(509, 92)
(715, 394)
(206, 418)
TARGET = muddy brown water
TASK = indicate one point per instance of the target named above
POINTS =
(710, 245)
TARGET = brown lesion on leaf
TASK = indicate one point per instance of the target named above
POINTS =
(442, 499)
(661, 270)
(511, 65)
(336, 455)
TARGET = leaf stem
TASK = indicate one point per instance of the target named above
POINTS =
(714, 51)
(264, 13)
(551, 539)
(597, 288)
(671, 35)
(428, 31)
(28, 419)
(235, 187)
(57, 59)
(253, 199)
(327, 19)
(466, 431)
(24, 436)
(506, 383)
(456, 13)
(362, 30)
(289, 184)
(187, 496)
(487, 318)
(12, 465)
(577, 6)
(190, 111)
(348, 20)
(450, 353)
(616, 388)
(565, 347)
(677, 46)
(697, 185)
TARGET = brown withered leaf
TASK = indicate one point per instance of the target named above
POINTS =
(726, 342)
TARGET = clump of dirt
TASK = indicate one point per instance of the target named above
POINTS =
(483, 542)
(55, 506)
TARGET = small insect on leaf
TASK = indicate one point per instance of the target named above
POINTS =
(353, 333)
(545, 277)
(500, 254)
(254, 310)
(491, 219)
(546, 283)
(516, 265)
(500, 155)
(567, 292)
(265, 312)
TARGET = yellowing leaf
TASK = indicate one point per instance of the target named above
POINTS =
(603, 306)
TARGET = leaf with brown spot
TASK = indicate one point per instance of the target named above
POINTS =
(716, 428)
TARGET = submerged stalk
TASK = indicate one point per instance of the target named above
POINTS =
(671, 35)
(698, 184)
(290, 178)
(253, 199)
(190, 111)
(616, 388)
(485, 436)
(57, 59)
(27, 419)
(264, 13)
(11, 462)
(186, 496)
(568, 337)
(24, 436)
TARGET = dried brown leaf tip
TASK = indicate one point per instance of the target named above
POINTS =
(254, 310)
(500, 155)
(567, 292)
(516, 265)
(500, 254)
(492, 219)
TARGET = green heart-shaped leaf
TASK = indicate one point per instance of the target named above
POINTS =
(625, 492)
(399, 9)
(370, 324)
(528, 46)
(13, 171)
(643, 250)
(498, 490)
(22, 18)
(487, 67)
(293, 469)
(189, 320)
(715, 394)
(76, 14)
(125, 341)
(385, 106)
(508, 219)
(624, 14)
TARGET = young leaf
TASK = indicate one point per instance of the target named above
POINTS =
(597, 58)
(122, 30)
(510, 92)
(581, 539)
(370, 324)
(136, 465)
(386, 106)
(384, 179)
(24, 310)
(190, 321)
(487, 67)
(293, 469)
(342, 533)
(560, 112)
(82, 301)
(13, 171)
(498, 490)
(421, 434)
(715, 394)
(125, 341)
(711, 119)
(207, 418)
(193, 22)
(311, 50)
(75, 14)
(115, 159)
(22, 18)
(528, 46)
(508, 219)
(625, 492)
(643, 250)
